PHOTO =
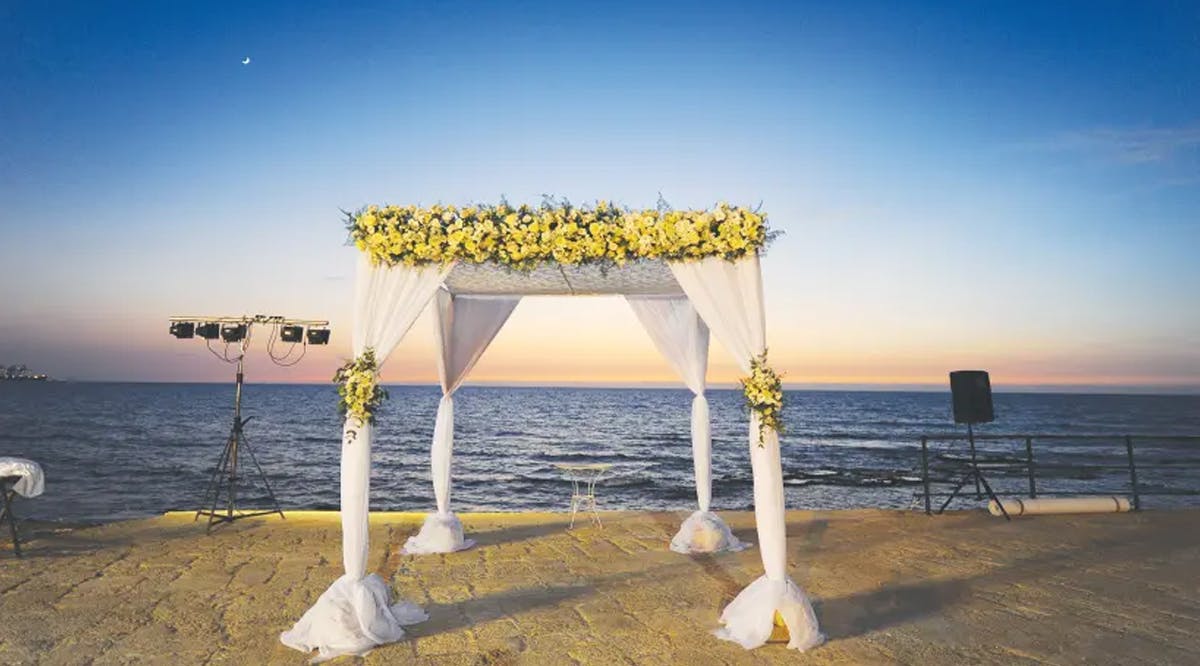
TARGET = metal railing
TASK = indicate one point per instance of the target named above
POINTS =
(1139, 466)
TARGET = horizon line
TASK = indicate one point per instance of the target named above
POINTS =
(881, 387)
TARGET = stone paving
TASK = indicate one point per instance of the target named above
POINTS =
(891, 587)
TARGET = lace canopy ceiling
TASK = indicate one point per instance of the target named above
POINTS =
(640, 278)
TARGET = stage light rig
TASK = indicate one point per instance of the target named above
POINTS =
(236, 333)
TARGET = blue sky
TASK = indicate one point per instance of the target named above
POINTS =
(1002, 185)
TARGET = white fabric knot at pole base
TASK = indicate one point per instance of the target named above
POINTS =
(440, 533)
(681, 336)
(355, 613)
(705, 532)
(748, 618)
(464, 327)
(728, 296)
(352, 617)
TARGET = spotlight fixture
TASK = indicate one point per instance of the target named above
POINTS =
(233, 332)
(209, 331)
(295, 334)
(183, 329)
(318, 336)
(291, 333)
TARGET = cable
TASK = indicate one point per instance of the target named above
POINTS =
(284, 360)
(224, 356)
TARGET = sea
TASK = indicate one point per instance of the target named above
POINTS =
(126, 450)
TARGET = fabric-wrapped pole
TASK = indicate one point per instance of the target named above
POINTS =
(464, 327)
(728, 296)
(441, 453)
(681, 336)
(702, 451)
(355, 613)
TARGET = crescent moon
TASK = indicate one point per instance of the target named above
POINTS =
(246, 60)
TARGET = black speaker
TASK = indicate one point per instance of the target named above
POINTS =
(972, 392)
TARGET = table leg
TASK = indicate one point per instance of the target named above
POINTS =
(7, 513)
(596, 512)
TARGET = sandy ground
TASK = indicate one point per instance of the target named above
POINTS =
(891, 587)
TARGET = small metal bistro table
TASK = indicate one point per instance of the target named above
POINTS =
(583, 478)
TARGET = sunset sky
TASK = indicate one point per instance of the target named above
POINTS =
(1006, 186)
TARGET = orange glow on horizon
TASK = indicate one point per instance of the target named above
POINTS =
(598, 341)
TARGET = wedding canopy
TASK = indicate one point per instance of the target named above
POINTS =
(684, 273)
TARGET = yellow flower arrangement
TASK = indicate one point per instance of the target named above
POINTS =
(764, 395)
(359, 390)
(523, 236)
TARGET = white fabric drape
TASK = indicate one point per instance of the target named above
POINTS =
(32, 481)
(682, 338)
(354, 614)
(728, 296)
(465, 326)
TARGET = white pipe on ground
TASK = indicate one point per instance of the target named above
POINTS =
(1032, 507)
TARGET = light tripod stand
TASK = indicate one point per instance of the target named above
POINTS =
(225, 476)
(220, 503)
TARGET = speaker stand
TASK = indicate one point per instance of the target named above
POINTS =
(974, 462)
(973, 473)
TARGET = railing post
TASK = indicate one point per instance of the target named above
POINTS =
(1133, 483)
(1029, 465)
(925, 472)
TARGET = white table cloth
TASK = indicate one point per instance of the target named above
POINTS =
(33, 481)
